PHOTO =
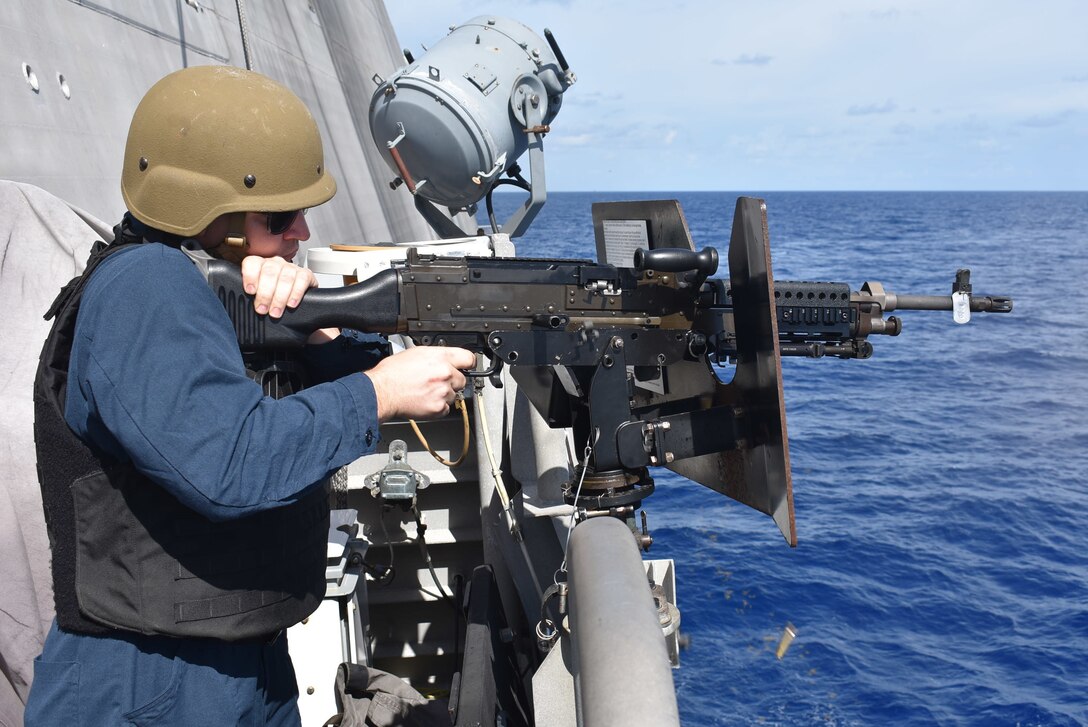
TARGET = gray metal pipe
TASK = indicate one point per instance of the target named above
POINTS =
(622, 673)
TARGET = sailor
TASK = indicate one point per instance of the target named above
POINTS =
(185, 509)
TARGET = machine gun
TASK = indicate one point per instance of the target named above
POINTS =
(630, 356)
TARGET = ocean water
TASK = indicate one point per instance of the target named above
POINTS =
(941, 575)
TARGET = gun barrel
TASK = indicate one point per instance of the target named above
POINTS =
(923, 302)
(979, 303)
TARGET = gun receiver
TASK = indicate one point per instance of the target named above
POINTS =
(625, 355)
(462, 301)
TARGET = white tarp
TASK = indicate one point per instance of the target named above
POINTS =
(44, 242)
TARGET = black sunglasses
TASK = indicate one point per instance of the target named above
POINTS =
(280, 222)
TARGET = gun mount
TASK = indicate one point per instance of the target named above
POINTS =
(627, 356)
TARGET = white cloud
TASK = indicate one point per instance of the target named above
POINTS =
(1043, 121)
(869, 109)
(753, 59)
(570, 139)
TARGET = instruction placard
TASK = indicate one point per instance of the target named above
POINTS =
(622, 238)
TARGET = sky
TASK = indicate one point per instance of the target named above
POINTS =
(828, 95)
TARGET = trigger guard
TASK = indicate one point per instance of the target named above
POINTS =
(496, 367)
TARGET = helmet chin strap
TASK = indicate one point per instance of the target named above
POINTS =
(234, 246)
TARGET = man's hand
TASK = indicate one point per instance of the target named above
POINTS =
(420, 382)
(275, 283)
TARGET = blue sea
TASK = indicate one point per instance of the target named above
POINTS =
(941, 576)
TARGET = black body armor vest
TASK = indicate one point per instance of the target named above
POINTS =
(128, 555)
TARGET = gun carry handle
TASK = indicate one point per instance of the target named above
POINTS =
(677, 260)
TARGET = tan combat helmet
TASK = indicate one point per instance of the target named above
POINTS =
(211, 140)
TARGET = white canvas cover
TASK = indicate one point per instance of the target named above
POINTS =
(44, 242)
